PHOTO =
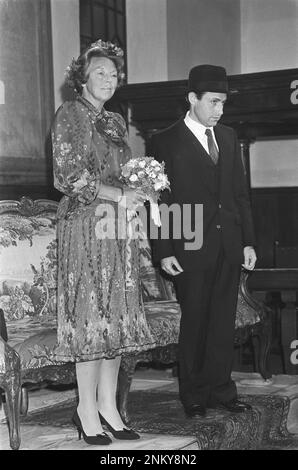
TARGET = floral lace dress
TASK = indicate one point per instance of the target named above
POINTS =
(100, 309)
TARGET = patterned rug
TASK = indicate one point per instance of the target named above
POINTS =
(160, 412)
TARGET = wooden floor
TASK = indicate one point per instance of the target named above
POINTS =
(49, 438)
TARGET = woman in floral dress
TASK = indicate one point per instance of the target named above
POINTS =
(100, 310)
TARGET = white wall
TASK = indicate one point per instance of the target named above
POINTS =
(274, 163)
(146, 40)
(66, 41)
(165, 38)
(269, 35)
(147, 53)
(203, 32)
(269, 41)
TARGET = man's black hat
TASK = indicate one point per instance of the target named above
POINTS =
(208, 78)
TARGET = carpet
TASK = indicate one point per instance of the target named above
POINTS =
(160, 412)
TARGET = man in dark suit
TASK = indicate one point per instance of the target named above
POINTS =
(203, 163)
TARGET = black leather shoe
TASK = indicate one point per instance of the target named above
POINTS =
(126, 434)
(98, 440)
(195, 410)
(235, 406)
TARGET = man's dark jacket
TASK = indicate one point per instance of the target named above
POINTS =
(221, 189)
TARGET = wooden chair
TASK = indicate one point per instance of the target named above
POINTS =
(10, 382)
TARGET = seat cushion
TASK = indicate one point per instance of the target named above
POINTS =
(37, 350)
(246, 314)
(164, 321)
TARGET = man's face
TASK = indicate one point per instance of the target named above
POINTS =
(207, 110)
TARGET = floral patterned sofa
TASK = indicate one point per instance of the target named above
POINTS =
(28, 266)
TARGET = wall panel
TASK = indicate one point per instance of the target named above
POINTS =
(27, 111)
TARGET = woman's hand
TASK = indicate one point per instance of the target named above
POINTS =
(132, 198)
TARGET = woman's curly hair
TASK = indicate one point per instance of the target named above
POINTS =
(76, 71)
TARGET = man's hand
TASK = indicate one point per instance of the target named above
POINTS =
(171, 266)
(250, 257)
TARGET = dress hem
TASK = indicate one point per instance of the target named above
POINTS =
(111, 354)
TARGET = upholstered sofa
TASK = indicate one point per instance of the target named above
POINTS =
(28, 270)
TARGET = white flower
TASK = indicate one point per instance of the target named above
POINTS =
(142, 164)
(163, 179)
(131, 163)
(141, 174)
(133, 178)
(158, 186)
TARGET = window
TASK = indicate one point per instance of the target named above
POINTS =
(103, 19)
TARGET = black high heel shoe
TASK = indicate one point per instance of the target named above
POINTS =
(125, 434)
(98, 440)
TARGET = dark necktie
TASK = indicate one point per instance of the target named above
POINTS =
(213, 152)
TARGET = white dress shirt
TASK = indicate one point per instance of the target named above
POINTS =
(199, 131)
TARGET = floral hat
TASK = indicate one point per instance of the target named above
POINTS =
(108, 49)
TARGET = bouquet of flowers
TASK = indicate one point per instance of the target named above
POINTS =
(147, 174)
